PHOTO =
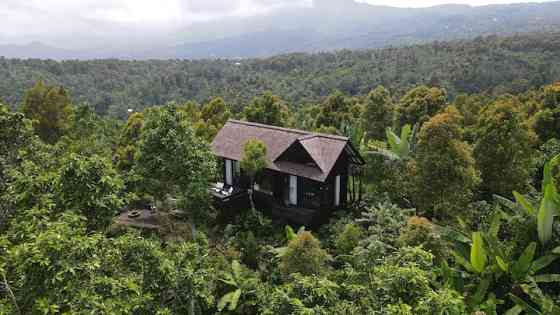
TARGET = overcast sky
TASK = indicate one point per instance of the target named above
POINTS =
(57, 20)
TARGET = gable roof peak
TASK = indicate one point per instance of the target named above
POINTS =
(304, 134)
(323, 149)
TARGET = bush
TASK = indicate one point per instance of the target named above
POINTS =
(442, 301)
(382, 223)
(305, 295)
(304, 255)
(91, 186)
(348, 239)
(420, 231)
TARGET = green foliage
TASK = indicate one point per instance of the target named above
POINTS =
(552, 95)
(92, 187)
(489, 64)
(445, 169)
(254, 157)
(304, 295)
(406, 277)
(334, 111)
(16, 136)
(128, 142)
(420, 231)
(419, 104)
(479, 259)
(267, 109)
(546, 124)
(253, 162)
(503, 148)
(377, 114)
(382, 223)
(400, 147)
(171, 159)
(64, 269)
(242, 295)
(50, 109)
(349, 238)
(469, 106)
(304, 255)
(549, 205)
(213, 116)
(487, 254)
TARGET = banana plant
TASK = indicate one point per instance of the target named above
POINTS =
(549, 206)
(476, 263)
(399, 147)
(234, 279)
(541, 304)
(526, 266)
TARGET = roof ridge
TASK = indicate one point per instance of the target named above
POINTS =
(305, 134)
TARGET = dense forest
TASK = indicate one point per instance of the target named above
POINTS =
(459, 214)
(491, 65)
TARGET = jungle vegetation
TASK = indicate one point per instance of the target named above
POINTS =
(459, 214)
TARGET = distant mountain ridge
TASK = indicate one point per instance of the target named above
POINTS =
(328, 25)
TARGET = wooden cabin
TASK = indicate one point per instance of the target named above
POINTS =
(307, 174)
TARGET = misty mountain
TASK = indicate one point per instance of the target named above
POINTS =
(38, 50)
(326, 26)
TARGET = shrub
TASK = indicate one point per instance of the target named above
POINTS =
(304, 255)
(420, 231)
(348, 239)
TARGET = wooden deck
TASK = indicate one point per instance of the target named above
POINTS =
(239, 200)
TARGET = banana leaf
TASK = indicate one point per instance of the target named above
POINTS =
(516, 310)
(520, 269)
(524, 203)
(502, 264)
(545, 217)
(548, 278)
(462, 261)
(481, 290)
(479, 258)
(543, 262)
(526, 306)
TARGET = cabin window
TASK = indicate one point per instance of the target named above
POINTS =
(229, 172)
(293, 190)
(337, 190)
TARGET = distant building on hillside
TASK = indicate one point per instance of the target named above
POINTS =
(307, 175)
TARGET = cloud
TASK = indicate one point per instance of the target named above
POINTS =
(215, 6)
(429, 3)
(87, 23)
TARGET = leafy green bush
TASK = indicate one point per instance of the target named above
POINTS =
(420, 231)
(304, 255)
(91, 186)
(348, 239)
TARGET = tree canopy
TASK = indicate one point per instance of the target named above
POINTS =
(49, 108)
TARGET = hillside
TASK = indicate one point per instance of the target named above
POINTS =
(489, 64)
(327, 25)
(332, 25)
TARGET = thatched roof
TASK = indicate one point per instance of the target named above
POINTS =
(322, 148)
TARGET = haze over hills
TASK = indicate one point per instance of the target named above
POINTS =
(324, 26)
